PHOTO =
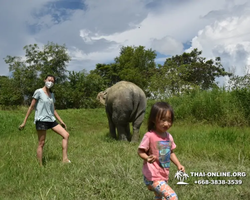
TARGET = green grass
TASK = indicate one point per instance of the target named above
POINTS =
(102, 168)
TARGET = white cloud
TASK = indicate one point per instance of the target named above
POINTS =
(167, 46)
(228, 38)
(95, 32)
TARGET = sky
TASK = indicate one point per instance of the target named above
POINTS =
(95, 30)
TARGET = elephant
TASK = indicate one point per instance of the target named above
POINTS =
(124, 102)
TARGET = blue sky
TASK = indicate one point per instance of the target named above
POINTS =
(94, 30)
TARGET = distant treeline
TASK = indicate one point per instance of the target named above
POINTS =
(182, 78)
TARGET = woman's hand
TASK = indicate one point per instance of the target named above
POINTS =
(21, 127)
(151, 158)
(64, 125)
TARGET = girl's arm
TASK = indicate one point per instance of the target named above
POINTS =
(175, 160)
(32, 106)
(144, 156)
(59, 119)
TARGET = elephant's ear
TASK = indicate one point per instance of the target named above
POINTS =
(105, 92)
(100, 97)
(102, 100)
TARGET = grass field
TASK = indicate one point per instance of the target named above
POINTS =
(102, 168)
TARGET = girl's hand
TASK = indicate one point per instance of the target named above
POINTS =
(181, 168)
(21, 127)
(151, 158)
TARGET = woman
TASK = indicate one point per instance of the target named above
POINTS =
(45, 118)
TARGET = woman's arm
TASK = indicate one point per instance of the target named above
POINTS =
(175, 160)
(31, 107)
(59, 119)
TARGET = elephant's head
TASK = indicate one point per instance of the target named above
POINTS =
(102, 96)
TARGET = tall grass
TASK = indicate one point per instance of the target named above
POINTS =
(105, 169)
(217, 106)
(210, 131)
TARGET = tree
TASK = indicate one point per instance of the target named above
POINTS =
(9, 94)
(239, 82)
(28, 73)
(181, 73)
(51, 60)
(108, 72)
(83, 89)
(24, 77)
(136, 64)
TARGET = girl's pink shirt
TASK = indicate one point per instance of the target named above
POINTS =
(161, 147)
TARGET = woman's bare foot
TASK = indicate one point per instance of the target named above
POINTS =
(66, 161)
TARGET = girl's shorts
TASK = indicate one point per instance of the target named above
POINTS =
(45, 125)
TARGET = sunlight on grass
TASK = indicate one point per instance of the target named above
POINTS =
(102, 168)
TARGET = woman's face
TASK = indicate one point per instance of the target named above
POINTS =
(49, 82)
(49, 79)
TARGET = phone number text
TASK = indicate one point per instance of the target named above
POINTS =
(219, 182)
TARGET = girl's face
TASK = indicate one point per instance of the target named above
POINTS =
(163, 124)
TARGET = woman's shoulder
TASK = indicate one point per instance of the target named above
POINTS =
(38, 90)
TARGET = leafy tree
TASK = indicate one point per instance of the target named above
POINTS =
(136, 64)
(83, 89)
(108, 72)
(24, 77)
(181, 73)
(239, 82)
(9, 94)
(51, 60)
(28, 74)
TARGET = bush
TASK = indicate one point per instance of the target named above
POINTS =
(216, 106)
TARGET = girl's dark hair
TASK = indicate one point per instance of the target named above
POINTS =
(157, 112)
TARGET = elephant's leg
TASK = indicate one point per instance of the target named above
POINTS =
(136, 128)
(123, 132)
(128, 134)
(112, 128)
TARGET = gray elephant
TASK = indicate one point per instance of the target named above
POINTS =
(125, 102)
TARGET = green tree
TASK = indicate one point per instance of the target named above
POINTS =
(108, 73)
(83, 89)
(9, 94)
(136, 64)
(181, 73)
(24, 77)
(28, 73)
(239, 82)
(52, 59)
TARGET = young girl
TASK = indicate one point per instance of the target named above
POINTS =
(156, 149)
(45, 118)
